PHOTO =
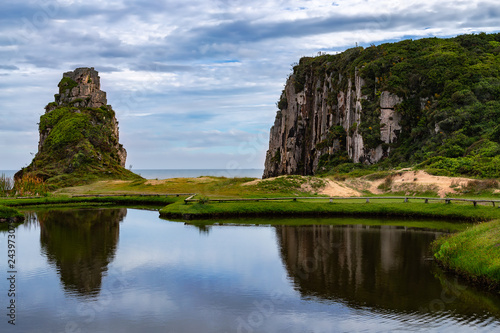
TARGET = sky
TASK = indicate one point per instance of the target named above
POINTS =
(194, 83)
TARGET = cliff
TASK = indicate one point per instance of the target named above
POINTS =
(394, 104)
(79, 137)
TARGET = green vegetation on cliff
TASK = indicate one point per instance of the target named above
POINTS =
(80, 147)
(450, 108)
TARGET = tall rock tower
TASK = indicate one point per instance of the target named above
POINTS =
(79, 138)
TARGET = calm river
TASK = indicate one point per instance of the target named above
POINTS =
(127, 270)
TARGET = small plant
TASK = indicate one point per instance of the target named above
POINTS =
(30, 185)
(67, 83)
(387, 184)
(203, 200)
(478, 186)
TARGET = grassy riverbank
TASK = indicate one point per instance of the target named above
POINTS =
(9, 213)
(101, 200)
(473, 253)
(389, 207)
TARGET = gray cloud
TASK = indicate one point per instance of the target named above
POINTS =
(9, 67)
(158, 67)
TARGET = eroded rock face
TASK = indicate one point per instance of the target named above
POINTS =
(389, 118)
(302, 131)
(81, 88)
(86, 93)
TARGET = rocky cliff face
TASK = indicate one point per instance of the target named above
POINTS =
(87, 91)
(395, 104)
(323, 119)
(79, 137)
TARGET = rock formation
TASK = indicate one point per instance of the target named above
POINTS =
(302, 131)
(87, 91)
(398, 104)
(79, 138)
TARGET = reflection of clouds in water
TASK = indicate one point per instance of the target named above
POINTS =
(175, 244)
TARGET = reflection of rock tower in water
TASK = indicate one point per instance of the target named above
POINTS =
(80, 244)
(358, 265)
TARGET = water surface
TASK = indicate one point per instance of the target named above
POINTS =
(119, 270)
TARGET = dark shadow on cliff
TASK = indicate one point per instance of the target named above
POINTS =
(80, 244)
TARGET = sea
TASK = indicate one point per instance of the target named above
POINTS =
(182, 173)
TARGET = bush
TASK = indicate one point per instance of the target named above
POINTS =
(30, 186)
(387, 184)
(203, 200)
(479, 186)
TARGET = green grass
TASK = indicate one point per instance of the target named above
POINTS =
(9, 212)
(159, 201)
(456, 211)
(474, 253)
(205, 186)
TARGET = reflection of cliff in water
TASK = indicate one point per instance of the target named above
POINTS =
(81, 244)
(382, 268)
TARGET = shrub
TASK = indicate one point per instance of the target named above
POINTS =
(30, 185)
(478, 186)
(203, 200)
(387, 184)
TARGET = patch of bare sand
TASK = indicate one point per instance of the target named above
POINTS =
(421, 178)
(115, 182)
(255, 181)
(332, 188)
(198, 180)
(338, 189)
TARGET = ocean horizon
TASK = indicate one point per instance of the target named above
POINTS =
(182, 173)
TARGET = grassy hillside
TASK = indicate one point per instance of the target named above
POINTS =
(451, 101)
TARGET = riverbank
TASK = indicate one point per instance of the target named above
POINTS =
(9, 214)
(323, 207)
(156, 200)
(473, 254)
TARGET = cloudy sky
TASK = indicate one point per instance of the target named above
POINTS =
(194, 82)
